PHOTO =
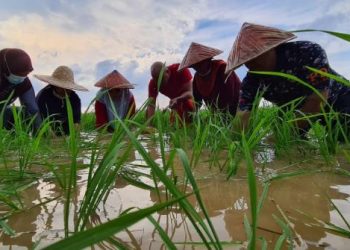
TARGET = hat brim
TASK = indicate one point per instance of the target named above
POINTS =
(194, 56)
(121, 86)
(234, 67)
(59, 83)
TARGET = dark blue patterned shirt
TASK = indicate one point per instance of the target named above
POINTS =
(292, 58)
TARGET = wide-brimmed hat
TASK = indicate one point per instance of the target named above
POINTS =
(62, 77)
(114, 80)
(254, 40)
(196, 53)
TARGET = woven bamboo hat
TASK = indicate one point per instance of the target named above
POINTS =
(62, 77)
(196, 53)
(254, 40)
(114, 80)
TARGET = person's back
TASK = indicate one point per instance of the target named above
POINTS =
(177, 86)
(211, 85)
(54, 107)
(52, 99)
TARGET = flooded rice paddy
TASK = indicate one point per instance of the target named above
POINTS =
(303, 201)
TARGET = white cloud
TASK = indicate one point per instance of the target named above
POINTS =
(82, 34)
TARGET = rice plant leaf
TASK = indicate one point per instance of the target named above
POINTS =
(279, 242)
(103, 231)
(292, 78)
(247, 227)
(137, 183)
(6, 228)
(340, 35)
(5, 199)
(192, 180)
(169, 244)
(286, 232)
(293, 174)
(331, 76)
(252, 191)
(337, 229)
(263, 243)
(263, 196)
(340, 214)
(192, 214)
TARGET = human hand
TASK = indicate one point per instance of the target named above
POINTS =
(173, 102)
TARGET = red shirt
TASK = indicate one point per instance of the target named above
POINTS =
(175, 86)
(217, 90)
(101, 112)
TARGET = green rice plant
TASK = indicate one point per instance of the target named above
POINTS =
(253, 196)
(196, 191)
(73, 147)
(27, 146)
(6, 197)
(255, 203)
(189, 210)
(201, 133)
(331, 226)
(104, 231)
(340, 35)
(259, 127)
(6, 228)
(168, 243)
(285, 133)
(286, 234)
(319, 134)
(88, 121)
(101, 179)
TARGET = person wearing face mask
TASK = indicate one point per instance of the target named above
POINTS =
(113, 100)
(52, 99)
(15, 65)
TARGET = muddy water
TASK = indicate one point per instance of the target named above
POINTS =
(301, 199)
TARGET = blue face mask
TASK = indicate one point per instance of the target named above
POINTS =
(15, 79)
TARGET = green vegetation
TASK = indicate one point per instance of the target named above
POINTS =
(211, 139)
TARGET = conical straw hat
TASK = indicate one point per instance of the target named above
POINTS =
(114, 80)
(196, 53)
(62, 77)
(254, 40)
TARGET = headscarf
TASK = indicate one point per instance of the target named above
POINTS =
(18, 61)
(120, 106)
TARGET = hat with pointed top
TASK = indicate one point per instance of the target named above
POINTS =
(62, 77)
(114, 80)
(196, 53)
(254, 40)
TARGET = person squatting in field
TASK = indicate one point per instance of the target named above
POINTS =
(219, 91)
(15, 65)
(175, 85)
(262, 48)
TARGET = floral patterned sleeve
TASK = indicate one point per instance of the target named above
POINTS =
(315, 57)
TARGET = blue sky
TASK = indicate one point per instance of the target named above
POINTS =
(93, 37)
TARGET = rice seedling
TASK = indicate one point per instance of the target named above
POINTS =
(26, 145)
(192, 214)
(101, 179)
(106, 230)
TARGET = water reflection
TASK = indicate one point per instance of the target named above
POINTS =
(227, 201)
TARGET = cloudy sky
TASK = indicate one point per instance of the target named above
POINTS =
(93, 37)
